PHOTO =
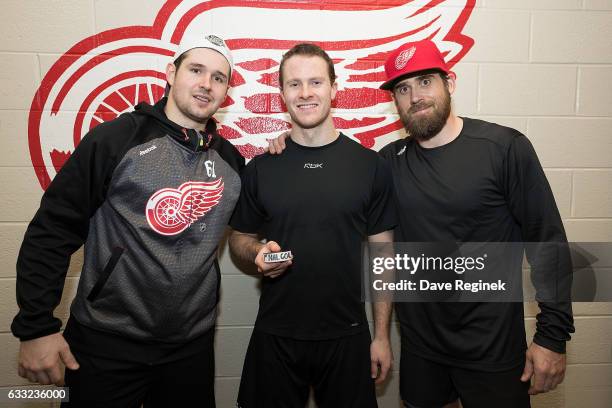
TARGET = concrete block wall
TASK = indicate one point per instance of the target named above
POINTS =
(541, 66)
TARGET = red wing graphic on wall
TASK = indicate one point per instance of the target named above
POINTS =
(107, 74)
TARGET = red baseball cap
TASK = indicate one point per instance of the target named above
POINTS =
(413, 57)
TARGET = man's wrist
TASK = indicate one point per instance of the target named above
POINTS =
(558, 346)
(382, 337)
(255, 249)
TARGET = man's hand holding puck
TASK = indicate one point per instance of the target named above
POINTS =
(271, 269)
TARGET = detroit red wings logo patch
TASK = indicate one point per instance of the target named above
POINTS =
(105, 75)
(404, 57)
(170, 211)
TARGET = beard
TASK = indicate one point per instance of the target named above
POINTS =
(425, 127)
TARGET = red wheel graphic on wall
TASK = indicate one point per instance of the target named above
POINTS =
(123, 99)
(116, 96)
(104, 75)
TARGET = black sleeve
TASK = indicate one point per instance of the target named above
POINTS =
(249, 214)
(532, 203)
(381, 211)
(58, 229)
(229, 153)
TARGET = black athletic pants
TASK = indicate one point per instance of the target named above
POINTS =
(427, 384)
(187, 381)
(278, 372)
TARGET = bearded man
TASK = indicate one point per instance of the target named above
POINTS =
(466, 180)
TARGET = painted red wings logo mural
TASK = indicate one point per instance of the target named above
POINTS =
(170, 211)
(107, 74)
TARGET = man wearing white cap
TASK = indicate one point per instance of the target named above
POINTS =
(149, 194)
(466, 180)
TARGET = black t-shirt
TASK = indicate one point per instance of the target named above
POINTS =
(321, 203)
(487, 185)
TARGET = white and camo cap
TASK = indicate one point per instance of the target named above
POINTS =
(210, 41)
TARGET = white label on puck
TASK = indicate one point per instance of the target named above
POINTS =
(277, 256)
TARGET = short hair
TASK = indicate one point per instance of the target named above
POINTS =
(177, 63)
(444, 77)
(309, 50)
(179, 60)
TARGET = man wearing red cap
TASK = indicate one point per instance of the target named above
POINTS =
(149, 195)
(465, 180)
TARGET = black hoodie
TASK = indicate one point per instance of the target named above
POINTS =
(150, 201)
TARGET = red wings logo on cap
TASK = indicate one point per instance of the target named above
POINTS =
(403, 58)
(170, 211)
(107, 74)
